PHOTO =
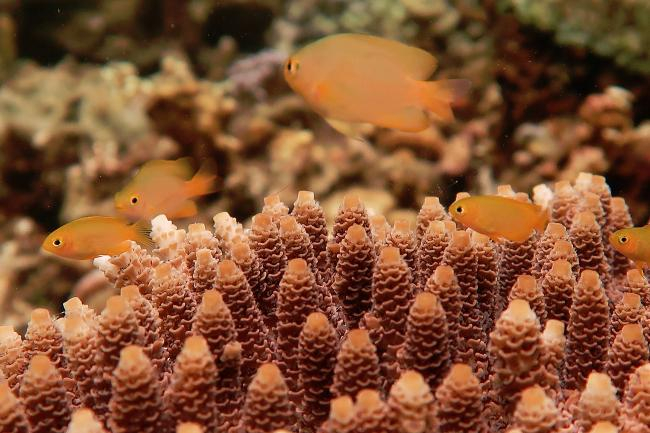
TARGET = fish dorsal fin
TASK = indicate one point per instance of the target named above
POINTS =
(180, 168)
(352, 130)
(203, 182)
(414, 62)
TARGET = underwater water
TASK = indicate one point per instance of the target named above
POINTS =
(528, 93)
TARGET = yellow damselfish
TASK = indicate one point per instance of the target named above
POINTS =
(633, 243)
(356, 79)
(164, 187)
(89, 237)
(499, 217)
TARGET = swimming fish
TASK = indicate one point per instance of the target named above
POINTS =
(633, 243)
(353, 79)
(164, 187)
(89, 237)
(499, 217)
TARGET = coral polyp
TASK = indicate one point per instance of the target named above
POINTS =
(290, 326)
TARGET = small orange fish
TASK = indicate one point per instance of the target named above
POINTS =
(633, 243)
(499, 217)
(164, 187)
(356, 79)
(89, 237)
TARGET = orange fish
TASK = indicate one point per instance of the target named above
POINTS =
(89, 237)
(633, 243)
(352, 79)
(164, 187)
(499, 217)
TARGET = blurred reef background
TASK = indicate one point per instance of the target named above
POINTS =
(90, 90)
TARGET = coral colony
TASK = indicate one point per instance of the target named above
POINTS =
(290, 327)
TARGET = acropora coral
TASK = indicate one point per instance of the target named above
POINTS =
(290, 326)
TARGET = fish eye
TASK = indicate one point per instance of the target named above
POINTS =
(57, 242)
(134, 199)
(623, 239)
(292, 66)
(459, 209)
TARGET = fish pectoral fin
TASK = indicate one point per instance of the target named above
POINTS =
(542, 221)
(355, 130)
(142, 230)
(120, 247)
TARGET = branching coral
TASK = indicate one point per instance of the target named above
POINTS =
(162, 357)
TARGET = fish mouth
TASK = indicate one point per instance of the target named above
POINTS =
(45, 252)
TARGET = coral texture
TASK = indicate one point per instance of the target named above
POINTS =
(47, 407)
(136, 403)
(536, 412)
(267, 405)
(433, 242)
(516, 347)
(12, 415)
(459, 406)
(191, 395)
(392, 290)
(461, 257)
(298, 296)
(357, 365)
(352, 280)
(426, 348)
(409, 357)
(588, 331)
(317, 348)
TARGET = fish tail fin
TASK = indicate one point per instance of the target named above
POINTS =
(142, 229)
(204, 181)
(437, 96)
